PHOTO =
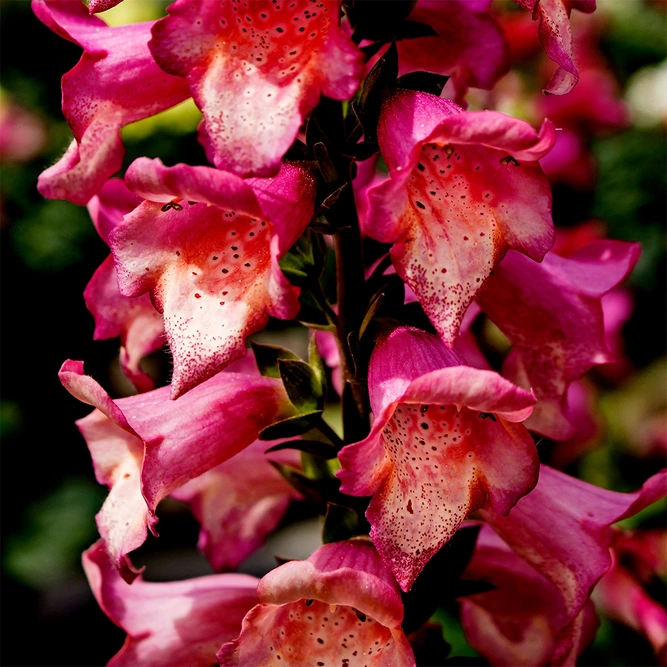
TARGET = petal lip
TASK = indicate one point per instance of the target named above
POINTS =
(341, 573)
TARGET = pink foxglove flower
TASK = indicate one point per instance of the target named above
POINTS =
(556, 37)
(205, 244)
(143, 449)
(574, 552)
(134, 319)
(622, 597)
(464, 187)
(341, 606)
(552, 314)
(255, 71)
(175, 623)
(444, 443)
(470, 46)
(239, 502)
(115, 83)
(523, 620)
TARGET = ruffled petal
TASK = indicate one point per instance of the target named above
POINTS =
(556, 37)
(574, 553)
(239, 502)
(133, 319)
(176, 623)
(170, 446)
(551, 312)
(209, 257)
(255, 73)
(436, 451)
(340, 605)
(464, 188)
(115, 83)
(469, 47)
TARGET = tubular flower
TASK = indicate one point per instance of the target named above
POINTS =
(341, 606)
(175, 623)
(115, 83)
(523, 620)
(255, 69)
(469, 47)
(239, 502)
(210, 262)
(552, 314)
(444, 443)
(135, 320)
(556, 38)
(143, 449)
(464, 187)
(574, 553)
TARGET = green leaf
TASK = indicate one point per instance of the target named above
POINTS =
(267, 357)
(303, 385)
(304, 261)
(292, 426)
(321, 450)
(426, 82)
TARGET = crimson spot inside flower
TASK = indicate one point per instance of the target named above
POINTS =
(452, 240)
(435, 483)
(308, 632)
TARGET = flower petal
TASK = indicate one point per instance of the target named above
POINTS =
(256, 73)
(239, 502)
(115, 83)
(464, 188)
(574, 553)
(176, 623)
(211, 264)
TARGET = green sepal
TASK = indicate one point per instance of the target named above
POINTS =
(292, 426)
(321, 450)
(313, 489)
(267, 356)
(304, 261)
(303, 385)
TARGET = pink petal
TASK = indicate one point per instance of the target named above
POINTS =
(257, 73)
(98, 6)
(551, 311)
(239, 502)
(341, 604)
(213, 422)
(115, 83)
(574, 553)
(210, 263)
(456, 199)
(523, 620)
(436, 452)
(177, 623)
(470, 46)
(623, 599)
(556, 38)
(135, 320)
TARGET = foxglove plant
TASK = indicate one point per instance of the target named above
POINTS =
(330, 128)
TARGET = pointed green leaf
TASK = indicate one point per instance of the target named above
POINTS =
(267, 357)
(292, 426)
(321, 450)
(302, 384)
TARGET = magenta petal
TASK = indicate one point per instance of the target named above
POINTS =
(551, 312)
(469, 46)
(169, 445)
(340, 605)
(556, 37)
(97, 6)
(176, 623)
(464, 188)
(436, 451)
(119, 73)
(523, 620)
(209, 258)
(256, 74)
(239, 502)
(574, 553)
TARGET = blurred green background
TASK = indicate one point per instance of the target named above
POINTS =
(50, 250)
